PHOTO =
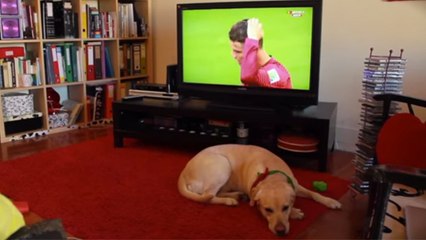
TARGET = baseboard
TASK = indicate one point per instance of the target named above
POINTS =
(346, 139)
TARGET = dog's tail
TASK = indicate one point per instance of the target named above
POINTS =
(183, 189)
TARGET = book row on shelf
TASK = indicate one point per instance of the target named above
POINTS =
(132, 58)
(382, 74)
(62, 63)
(98, 61)
(102, 24)
(67, 62)
(131, 24)
(99, 24)
(16, 69)
(60, 20)
(95, 22)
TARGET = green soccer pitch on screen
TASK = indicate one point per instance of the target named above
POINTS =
(207, 53)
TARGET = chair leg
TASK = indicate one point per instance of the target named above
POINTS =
(378, 201)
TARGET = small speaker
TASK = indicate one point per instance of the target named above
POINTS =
(172, 77)
(9, 7)
(11, 28)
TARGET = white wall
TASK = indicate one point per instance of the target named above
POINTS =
(350, 28)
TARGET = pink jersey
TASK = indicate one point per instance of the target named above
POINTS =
(273, 74)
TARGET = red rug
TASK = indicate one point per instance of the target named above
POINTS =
(104, 192)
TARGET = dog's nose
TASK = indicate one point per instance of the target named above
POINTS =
(280, 230)
(280, 233)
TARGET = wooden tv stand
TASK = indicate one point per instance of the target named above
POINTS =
(185, 120)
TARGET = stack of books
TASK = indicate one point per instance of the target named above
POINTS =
(59, 20)
(382, 74)
(131, 24)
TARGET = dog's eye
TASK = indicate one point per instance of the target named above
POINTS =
(285, 208)
(269, 210)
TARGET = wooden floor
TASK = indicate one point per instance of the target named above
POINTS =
(341, 224)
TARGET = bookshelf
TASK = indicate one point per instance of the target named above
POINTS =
(97, 23)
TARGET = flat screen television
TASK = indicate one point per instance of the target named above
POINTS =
(208, 66)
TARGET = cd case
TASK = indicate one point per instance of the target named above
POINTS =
(9, 7)
(11, 28)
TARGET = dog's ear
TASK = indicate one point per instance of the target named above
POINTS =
(254, 196)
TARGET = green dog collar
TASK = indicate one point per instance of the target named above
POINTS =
(289, 180)
(262, 176)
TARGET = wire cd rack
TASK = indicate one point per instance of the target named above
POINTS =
(382, 74)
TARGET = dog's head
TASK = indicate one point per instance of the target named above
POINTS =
(274, 199)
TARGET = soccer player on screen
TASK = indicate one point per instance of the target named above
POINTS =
(258, 68)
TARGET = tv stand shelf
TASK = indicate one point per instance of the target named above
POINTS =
(184, 121)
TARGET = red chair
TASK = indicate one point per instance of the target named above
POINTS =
(399, 178)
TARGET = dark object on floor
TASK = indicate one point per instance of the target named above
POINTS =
(48, 229)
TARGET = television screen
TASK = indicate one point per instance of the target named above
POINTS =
(272, 50)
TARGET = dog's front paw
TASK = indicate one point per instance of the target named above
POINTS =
(333, 204)
(296, 213)
(231, 201)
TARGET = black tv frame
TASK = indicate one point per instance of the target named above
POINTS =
(240, 95)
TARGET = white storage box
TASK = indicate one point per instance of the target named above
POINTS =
(17, 104)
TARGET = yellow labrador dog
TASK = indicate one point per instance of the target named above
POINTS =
(221, 174)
